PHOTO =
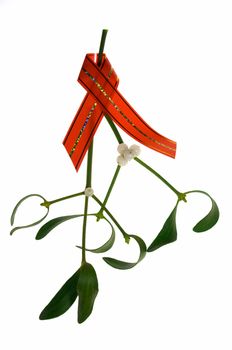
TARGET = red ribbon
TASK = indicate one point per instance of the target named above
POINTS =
(103, 98)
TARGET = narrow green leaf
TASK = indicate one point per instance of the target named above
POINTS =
(168, 233)
(107, 245)
(87, 289)
(16, 208)
(63, 299)
(123, 265)
(210, 219)
(50, 225)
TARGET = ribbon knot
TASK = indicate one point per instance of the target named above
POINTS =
(104, 98)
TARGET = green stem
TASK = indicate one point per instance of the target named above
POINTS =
(180, 195)
(84, 230)
(114, 129)
(125, 235)
(109, 120)
(88, 184)
(101, 48)
(47, 204)
(109, 190)
(90, 160)
(89, 166)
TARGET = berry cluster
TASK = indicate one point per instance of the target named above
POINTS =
(126, 153)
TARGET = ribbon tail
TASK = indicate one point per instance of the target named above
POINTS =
(82, 130)
(133, 124)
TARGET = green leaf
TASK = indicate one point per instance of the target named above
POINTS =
(16, 208)
(168, 233)
(123, 265)
(87, 289)
(63, 300)
(107, 245)
(50, 225)
(210, 219)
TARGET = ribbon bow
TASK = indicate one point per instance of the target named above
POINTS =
(103, 98)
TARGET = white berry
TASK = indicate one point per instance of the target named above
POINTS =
(122, 147)
(127, 155)
(121, 161)
(88, 192)
(135, 150)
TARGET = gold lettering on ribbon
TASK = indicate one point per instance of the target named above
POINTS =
(123, 114)
(82, 129)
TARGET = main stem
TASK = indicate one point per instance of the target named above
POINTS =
(90, 160)
(84, 229)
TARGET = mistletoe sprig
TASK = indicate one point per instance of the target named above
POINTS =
(83, 284)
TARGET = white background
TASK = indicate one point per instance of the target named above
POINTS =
(174, 63)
